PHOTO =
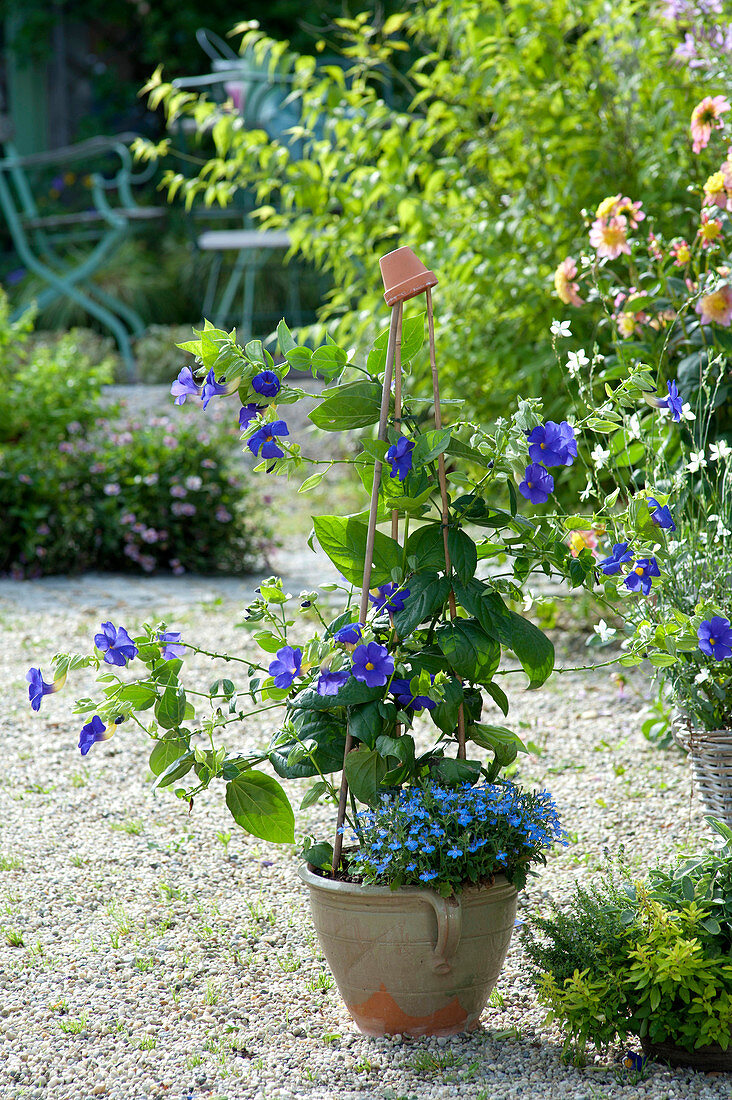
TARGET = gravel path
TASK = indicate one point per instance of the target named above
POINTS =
(167, 955)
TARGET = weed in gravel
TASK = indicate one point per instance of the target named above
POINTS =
(13, 937)
(363, 1066)
(79, 779)
(74, 1027)
(10, 863)
(496, 999)
(172, 893)
(114, 940)
(330, 1037)
(133, 826)
(225, 839)
(194, 1060)
(144, 963)
(260, 913)
(321, 984)
(212, 995)
(428, 1061)
(288, 963)
(61, 1006)
(77, 861)
(147, 1042)
(120, 918)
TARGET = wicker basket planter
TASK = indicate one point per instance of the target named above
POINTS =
(711, 758)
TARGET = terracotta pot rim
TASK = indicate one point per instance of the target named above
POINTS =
(500, 888)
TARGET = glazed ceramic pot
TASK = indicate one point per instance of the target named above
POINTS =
(409, 961)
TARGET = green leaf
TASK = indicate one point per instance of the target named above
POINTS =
(354, 405)
(456, 771)
(175, 770)
(502, 742)
(299, 357)
(260, 806)
(166, 752)
(365, 768)
(351, 694)
(428, 446)
(427, 546)
(343, 539)
(412, 340)
(268, 641)
(319, 855)
(311, 482)
(139, 696)
(498, 696)
(285, 338)
(532, 647)
(312, 796)
(171, 708)
(445, 714)
(365, 722)
(463, 554)
(472, 653)
(325, 735)
(427, 594)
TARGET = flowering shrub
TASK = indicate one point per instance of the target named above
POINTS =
(442, 837)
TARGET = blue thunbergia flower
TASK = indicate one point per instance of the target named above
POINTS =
(184, 386)
(330, 683)
(538, 483)
(212, 388)
(673, 401)
(634, 1061)
(286, 666)
(264, 440)
(349, 634)
(404, 697)
(173, 647)
(95, 730)
(400, 456)
(372, 664)
(37, 687)
(116, 645)
(621, 554)
(661, 515)
(267, 383)
(389, 597)
(248, 412)
(641, 575)
(553, 444)
(715, 637)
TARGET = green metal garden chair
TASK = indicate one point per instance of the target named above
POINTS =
(46, 243)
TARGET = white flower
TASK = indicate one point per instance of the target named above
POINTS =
(634, 427)
(696, 462)
(719, 451)
(560, 328)
(586, 492)
(686, 412)
(575, 361)
(702, 676)
(599, 456)
(605, 632)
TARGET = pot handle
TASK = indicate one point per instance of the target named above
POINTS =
(449, 915)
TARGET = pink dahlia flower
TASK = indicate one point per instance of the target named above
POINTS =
(608, 237)
(566, 288)
(706, 117)
(716, 307)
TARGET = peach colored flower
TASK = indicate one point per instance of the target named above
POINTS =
(681, 252)
(606, 209)
(715, 192)
(654, 248)
(631, 210)
(577, 541)
(608, 237)
(709, 230)
(564, 285)
(716, 307)
(706, 117)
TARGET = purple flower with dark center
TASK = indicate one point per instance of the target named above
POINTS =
(401, 691)
(91, 732)
(553, 444)
(116, 645)
(634, 1061)
(538, 483)
(247, 414)
(37, 687)
(212, 388)
(641, 575)
(673, 401)
(612, 564)
(715, 637)
(389, 597)
(372, 664)
(350, 633)
(173, 645)
(264, 440)
(661, 515)
(330, 683)
(185, 386)
(400, 456)
(267, 383)
(286, 666)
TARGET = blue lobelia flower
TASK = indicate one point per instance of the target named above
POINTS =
(248, 412)
(538, 483)
(454, 852)
(267, 383)
(95, 730)
(673, 401)
(116, 645)
(389, 597)
(428, 876)
(173, 647)
(264, 440)
(715, 637)
(404, 697)
(37, 686)
(286, 666)
(212, 388)
(640, 576)
(661, 515)
(612, 564)
(400, 456)
(185, 386)
(553, 444)
(372, 664)
(350, 634)
(330, 683)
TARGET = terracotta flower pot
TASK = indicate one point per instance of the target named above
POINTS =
(408, 961)
(404, 276)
